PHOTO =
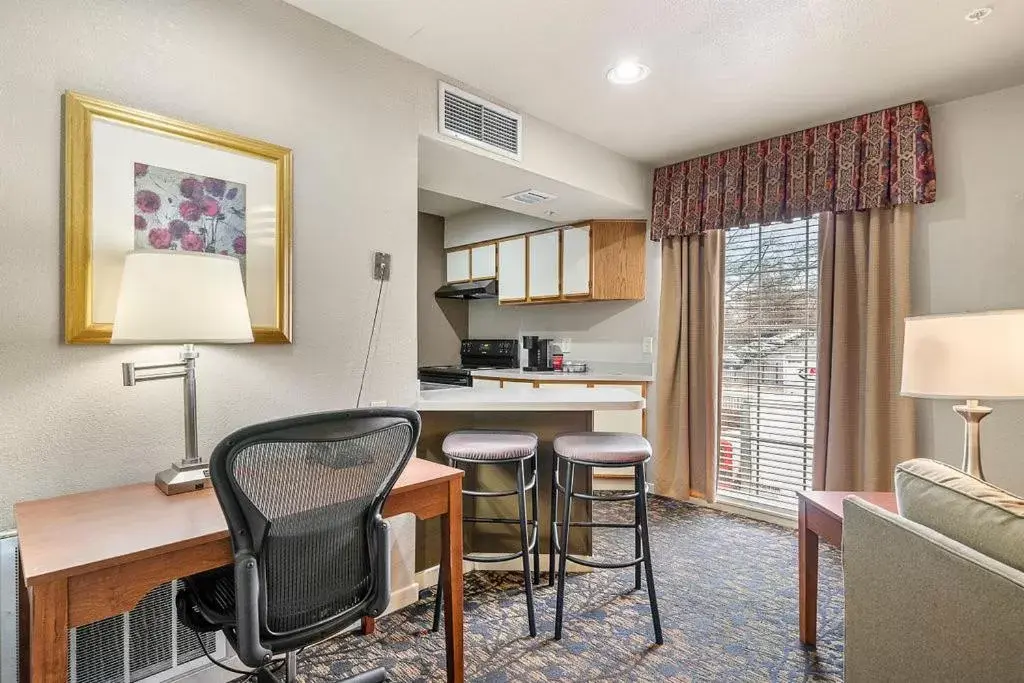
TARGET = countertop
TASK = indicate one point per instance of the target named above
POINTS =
(525, 398)
(589, 376)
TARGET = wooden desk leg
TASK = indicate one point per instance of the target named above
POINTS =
(48, 639)
(808, 579)
(451, 557)
(369, 626)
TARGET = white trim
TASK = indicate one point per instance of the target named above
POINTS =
(744, 509)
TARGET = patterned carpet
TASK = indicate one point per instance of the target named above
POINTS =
(728, 597)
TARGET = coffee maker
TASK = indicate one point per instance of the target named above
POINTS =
(538, 354)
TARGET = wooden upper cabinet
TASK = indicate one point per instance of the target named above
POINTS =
(543, 272)
(576, 261)
(457, 266)
(600, 260)
(512, 270)
(484, 261)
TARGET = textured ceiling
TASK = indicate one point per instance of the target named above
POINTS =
(723, 72)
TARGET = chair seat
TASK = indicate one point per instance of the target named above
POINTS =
(490, 446)
(603, 448)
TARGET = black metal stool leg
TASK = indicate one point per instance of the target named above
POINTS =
(554, 521)
(564, 549)
(535, 528)
(641, 503)
(638, 545)
(439, 592)
(524, 538)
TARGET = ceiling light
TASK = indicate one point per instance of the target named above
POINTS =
(976, 16)
(628, 71)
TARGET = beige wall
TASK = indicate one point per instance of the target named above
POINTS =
(968, 255)
(260, 68)
(440, 323)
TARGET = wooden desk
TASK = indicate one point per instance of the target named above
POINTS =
(93, 555)
(821, 517)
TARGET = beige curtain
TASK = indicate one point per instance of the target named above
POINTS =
(689, 365)
(862, 427)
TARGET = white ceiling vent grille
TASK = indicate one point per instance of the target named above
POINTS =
(479, 122)
(530, 197)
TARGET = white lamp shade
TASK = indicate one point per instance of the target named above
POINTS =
(968, 356)
(173, 297)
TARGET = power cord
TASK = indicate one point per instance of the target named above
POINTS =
(277, 664)
(369, 344)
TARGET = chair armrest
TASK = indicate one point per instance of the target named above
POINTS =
(382, 571)
(247, 611)
(923, 607)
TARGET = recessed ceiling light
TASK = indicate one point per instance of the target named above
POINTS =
(628, 71)
(976, 16)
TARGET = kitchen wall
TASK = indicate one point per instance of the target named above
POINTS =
(488, 223)
(440, 323)
(968, 251)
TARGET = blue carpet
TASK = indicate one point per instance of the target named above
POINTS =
(727, 591)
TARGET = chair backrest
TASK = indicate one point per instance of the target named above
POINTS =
(303, 497)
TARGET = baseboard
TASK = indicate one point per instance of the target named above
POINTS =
(428, 577)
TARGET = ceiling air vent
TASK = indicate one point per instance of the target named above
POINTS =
(479, 122)
(530, 197)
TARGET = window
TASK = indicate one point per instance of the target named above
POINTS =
(768, 364)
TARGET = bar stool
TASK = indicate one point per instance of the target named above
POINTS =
(610, 450)
(496, 448)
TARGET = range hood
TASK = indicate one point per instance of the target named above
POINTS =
(479, 289)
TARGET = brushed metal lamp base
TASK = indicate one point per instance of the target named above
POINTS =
(973, 413)
(182, 477)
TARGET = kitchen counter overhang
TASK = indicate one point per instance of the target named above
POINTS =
(528, 399)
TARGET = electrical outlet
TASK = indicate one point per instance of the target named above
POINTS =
(378, 404)
(565, 344)
(648, 344)
(381, 266)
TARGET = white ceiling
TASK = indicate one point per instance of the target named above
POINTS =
(443, 205)
(723, 72)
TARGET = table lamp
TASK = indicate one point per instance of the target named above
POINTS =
(174, 297)
(968, 356)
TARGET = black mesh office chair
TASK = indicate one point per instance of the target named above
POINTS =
(302, 498)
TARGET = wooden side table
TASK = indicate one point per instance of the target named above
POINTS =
(821, 517)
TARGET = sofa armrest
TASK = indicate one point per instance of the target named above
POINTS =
(922, 607)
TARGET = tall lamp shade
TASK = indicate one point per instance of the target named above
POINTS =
(968, 356)
(174, 297)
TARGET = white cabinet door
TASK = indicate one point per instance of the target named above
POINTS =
(543, 258)
(512, 269)
(576, 261)
(486, 383)
(457, 266)
(484, 263)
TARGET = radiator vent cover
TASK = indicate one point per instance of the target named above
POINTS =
(478, 122)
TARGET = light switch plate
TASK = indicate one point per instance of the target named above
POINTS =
(648, 344)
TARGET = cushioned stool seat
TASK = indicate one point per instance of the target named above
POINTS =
(603, 448)
(492, 446)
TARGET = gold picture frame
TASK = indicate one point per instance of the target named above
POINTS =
(82, 114)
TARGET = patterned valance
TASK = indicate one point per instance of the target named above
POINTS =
(865, 162)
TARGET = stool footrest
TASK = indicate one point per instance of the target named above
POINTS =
(605, 565)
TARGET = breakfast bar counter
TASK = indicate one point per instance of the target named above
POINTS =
(545, 411)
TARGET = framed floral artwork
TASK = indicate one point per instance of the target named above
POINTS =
(135, 180)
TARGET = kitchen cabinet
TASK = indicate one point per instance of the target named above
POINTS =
(457, 266)
(512, 270)
(483, 262)
(543, 267)
(576, 261)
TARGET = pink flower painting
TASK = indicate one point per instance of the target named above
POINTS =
(200, 213)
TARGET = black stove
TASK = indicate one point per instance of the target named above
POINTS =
(476, 354)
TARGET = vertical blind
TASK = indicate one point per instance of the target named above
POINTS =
(768, 364)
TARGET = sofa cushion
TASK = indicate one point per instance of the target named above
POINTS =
(959, 506)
